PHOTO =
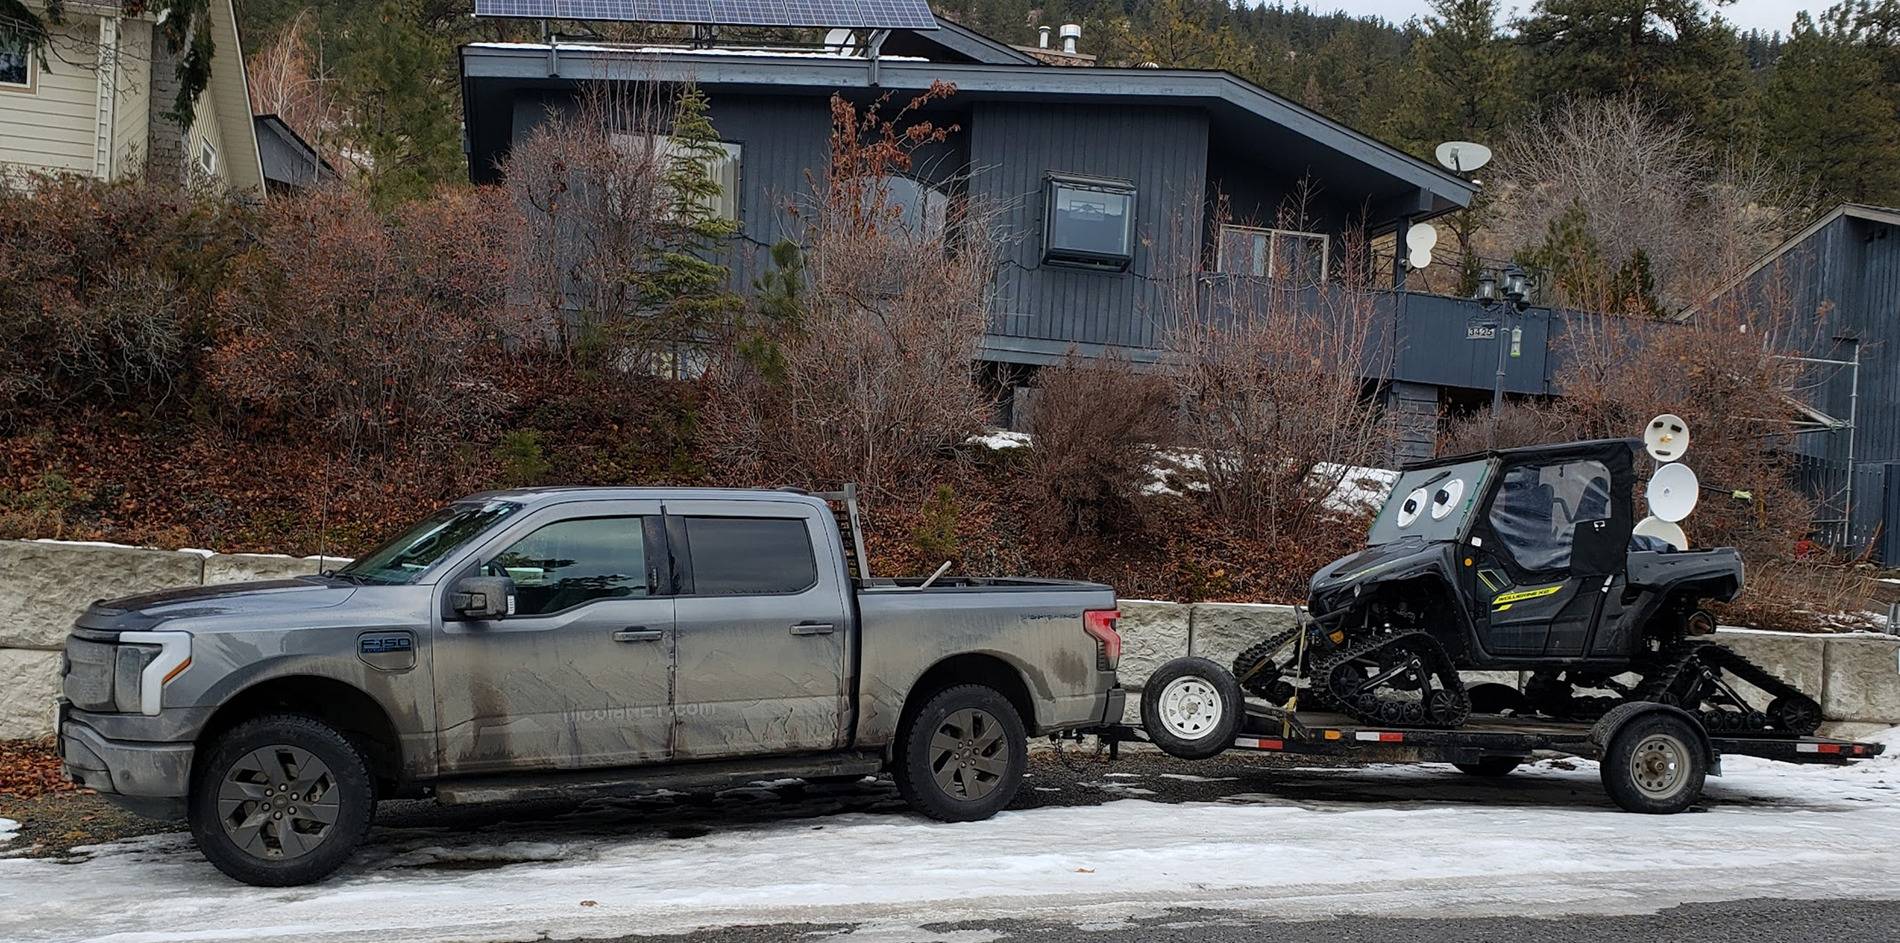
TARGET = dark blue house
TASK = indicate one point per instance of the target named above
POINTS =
(1108, 176)
(1844, 271)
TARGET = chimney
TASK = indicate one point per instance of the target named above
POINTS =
(1071, 34)
(1042, 36)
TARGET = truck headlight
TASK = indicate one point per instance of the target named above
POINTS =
(127, 669)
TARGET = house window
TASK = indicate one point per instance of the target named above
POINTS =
(1089, 223)
(1286, 255)
(918, 207)
(16, 64)
(208, 158)
(724, 170)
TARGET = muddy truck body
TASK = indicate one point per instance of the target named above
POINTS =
(572, 641)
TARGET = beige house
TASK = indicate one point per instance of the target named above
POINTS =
(97, 105)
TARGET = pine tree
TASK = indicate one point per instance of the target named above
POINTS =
(401, 103)
(687, 292)
(1674, 55)
(1828, 113)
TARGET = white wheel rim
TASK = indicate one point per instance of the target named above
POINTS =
(1190, 707)
(1660, 766)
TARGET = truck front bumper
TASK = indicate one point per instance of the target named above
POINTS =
(148, 779)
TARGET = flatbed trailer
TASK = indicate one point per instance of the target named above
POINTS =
(1653, 756)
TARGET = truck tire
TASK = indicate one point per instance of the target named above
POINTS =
(1655, 765)
(962, 757)
(1490, 767)
(280, 800)
(1191, 708)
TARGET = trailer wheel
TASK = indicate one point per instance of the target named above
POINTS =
(1191, 708)
(1490, 767)
(1655, 765)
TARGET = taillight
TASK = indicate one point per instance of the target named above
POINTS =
(1100, 625)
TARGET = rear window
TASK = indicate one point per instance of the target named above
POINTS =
(750, 556)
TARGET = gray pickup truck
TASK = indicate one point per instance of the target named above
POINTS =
(567, 641)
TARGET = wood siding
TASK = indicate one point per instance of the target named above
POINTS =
(1163, 151)
(52, 127)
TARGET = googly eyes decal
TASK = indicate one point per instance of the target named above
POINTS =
(1446, 498)
(1414, 506)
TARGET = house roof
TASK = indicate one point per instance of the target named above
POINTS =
(307, 169)
(1878, 214)
(1241, 110)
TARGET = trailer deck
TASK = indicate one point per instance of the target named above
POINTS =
(1500, 741)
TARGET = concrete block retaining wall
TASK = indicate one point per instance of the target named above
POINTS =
(44, 584)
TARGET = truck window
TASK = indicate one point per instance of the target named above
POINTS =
(403, 559)
(567, 563)
(750, 556)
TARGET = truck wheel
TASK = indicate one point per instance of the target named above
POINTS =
(280, 800)
(1490, 767)
(1654, 765)
(1191, 708)
(963, 755)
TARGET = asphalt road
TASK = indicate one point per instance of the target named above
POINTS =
(1745, 921)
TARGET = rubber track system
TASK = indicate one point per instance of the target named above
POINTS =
(1339, 685)
(1691, 677)
(1258, 673)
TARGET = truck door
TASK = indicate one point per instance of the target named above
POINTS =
(1534, 604)
(579, 674)
(765, 630)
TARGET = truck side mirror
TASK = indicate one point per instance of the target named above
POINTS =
(483, 597)
(1597, 548)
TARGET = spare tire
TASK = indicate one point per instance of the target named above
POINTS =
(1191, 708)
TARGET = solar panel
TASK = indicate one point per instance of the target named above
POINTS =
(872, 14)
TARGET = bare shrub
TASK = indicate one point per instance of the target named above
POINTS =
(1643, 188)
(870, 379)
(589, 186)
(1095, 432)
(290, 79)
(107, 289)
(377, 329)
(1275, 404)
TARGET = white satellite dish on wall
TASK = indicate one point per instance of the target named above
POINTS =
(1421, 236)
(1463, 156)
(1673, 491)
(1666, 437)
(1668, 532)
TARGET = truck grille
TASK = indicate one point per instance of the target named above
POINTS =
(88, 681)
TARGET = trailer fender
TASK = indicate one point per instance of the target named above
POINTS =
(1607, 726)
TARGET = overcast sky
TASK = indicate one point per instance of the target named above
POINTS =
(1766, 15)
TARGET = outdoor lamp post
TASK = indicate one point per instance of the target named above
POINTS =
(1517, 287)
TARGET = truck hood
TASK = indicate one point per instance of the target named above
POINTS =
(144, 611)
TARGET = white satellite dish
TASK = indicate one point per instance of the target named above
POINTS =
(1668, 532)
(1421, 236)
(1666, 437)
(1463, 156)
(1673, 491)
(1419, 258)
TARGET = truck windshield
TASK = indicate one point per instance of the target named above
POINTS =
(1431, 503)
(418, 548)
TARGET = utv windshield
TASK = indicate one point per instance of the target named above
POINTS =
(418, 548)
(1430, 503)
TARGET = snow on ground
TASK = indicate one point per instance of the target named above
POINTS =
(1377, 840)
(8, 828)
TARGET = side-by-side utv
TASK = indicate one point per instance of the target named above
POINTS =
(1519, 560)
(1516, 560)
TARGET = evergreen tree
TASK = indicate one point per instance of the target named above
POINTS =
(686, 292)
(401, 101)
(1675, 55)
(1463, 77)
(1828, 112)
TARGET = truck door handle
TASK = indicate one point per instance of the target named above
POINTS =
(813, 628)
(638, 633)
